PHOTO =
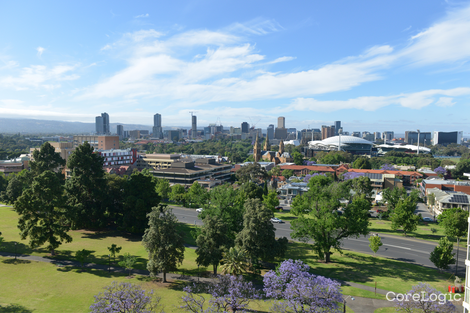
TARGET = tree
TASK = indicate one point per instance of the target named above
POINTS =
(252, 190)
(178, 194)
(432, 202)
(387, 167)
(375, 242)
(302, 291)
(288, 173)
(392, 196)
(275, 171)
(442, 255)
(440, 171)
(113, 249)
(228, 294)
(258, 236)
(362, 163)
(324, 223)
(403, 216)
(163, 188)
(251, 172)
(128, 262)
(163, 242)
(271, 201)
(43, 213)
(46, 159)
(361, 185)
(86, 188)
(298, 157)
(455, 222)
(82, 256)
(234, 262)
(197, 194)
(141, 196)
(462, 167)
(16, 185)
(211, 242)
(422, 303)
(127, 298)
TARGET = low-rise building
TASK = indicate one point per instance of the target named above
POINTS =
(14, 165)
(408, 177)
(289, 191)
(448, 199)
(445, 185)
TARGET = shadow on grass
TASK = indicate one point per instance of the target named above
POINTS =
(15, 262)
(187, 229)
(98, 272)
(14, 308)
(102, 234)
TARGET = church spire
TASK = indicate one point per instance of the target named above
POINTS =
(256, 150)
(281, 147)
(267, 146)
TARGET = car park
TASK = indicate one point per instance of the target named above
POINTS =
(276, 220)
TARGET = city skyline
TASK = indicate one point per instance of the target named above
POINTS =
(378, 66)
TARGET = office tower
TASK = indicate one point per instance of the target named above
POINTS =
(193, 126)
(377, 136)
(102, 124)
(411, 137)
(445, 138)
(327, 132)
(337, 127)
(245, 127)
(281, 122)
(157, 126)
(120, 131)
(388, 135)
(270, 131)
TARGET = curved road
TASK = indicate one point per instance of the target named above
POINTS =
(394, 247)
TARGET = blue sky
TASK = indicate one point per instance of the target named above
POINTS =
(374, 65)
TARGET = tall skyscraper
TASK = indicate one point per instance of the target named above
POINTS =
(281, 122)
(193, 126)
(245, 127)
(102, 124)
(337, 127)
(327, 132)
(270, 131)
(120, 131)
(157, 126)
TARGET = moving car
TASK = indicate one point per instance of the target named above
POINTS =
(199, 210)
(276, 220)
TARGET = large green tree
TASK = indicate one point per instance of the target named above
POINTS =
(140, 196)
(362, 163)
(46, 159)
(198, 195)
(442, 255)
(271, 200)
(455, 222)
(17, 183)
(43, 213)
(163, 242)
(403, 215)
(258, 238)
(211, 242)
(86, 188)
(392, 196)
(462, 167)
(298, 157)
(251, 172)
(163, 188)
(321, 221)
(178, 194)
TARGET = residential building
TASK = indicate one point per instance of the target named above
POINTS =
(157, 126)
(447, 200)
(97, 142)
(407, 177)
(289, 191)
(102, 124)
(327, 131)
(445, 184)
(193, 126)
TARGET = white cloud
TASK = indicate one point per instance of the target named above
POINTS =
(11, 102)
(40, 51)
(282, 59)
(39, 76)
(415, 100)
(142, 15)
(256, 26)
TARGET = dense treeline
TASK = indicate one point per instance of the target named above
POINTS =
(13, 146)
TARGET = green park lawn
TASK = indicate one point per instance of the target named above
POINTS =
(47, 288)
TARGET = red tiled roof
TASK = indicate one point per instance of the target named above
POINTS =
(404, 173)
(311, 168)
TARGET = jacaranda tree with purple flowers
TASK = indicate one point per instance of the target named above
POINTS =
(228, 294)
(423, 298)
(309, 163)
(302, 291)
(124, 298)
(352, 175)
(387, 167)
(440, 171)
(308, 176)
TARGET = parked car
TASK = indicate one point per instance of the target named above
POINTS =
(428, 219)
(199, 210)
(279, 208)
(276, 220)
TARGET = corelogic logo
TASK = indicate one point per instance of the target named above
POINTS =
(423, 296)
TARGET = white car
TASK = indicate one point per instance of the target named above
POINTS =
(276, 220)
(199, 210)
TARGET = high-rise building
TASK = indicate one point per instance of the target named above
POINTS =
(445, 138)
(281, 122)
(270, 131)
(388, 135)
(327, 131)
(245, 127)
(102, 124)
(411, 137)
(377, 136)
(120, 131)
(157, 126)
(193, 126)
(337, 127)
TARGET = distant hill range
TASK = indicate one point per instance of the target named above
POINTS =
(31, 126)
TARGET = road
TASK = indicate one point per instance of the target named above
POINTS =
(394, 247)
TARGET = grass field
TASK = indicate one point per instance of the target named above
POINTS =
(35, 284)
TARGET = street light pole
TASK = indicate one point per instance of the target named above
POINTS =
(344, 303)
(15, 250)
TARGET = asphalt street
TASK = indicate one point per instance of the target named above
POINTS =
(394, 247)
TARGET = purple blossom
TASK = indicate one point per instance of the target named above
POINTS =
(125, 297)
(423, 298)
(387, 167)
(229, 293)
(352, 175)
(308, 176)
(309, 163)
(302, 291)
(440, 171)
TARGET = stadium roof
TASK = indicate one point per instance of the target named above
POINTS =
(345, 140)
